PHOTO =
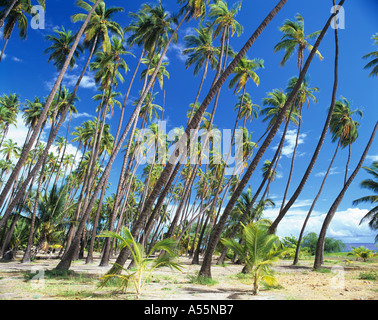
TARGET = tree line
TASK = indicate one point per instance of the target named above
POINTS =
(51, 196)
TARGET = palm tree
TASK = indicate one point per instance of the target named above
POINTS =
(259, 252)
(9, 149)
(224, 20)
(100, 24)
(107, 65)
(371, 184)
(51, 219)
(274, 102)
(294, 38)
(151, 66)
(201, 52)
(15, 14)
(31, 113)
(62, 42)
(193, 8)
(343, 130)
(331, 212)
(374, 55)
(149, 109)
(143, 272)
(248, 110)
(9, 108)
(343, 127)
(245, 71)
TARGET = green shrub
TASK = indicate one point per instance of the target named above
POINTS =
(370, 275)
(202, 280)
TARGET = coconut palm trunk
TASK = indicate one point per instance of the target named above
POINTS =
(27, 255)
(6, 43)
(320, 245)
(296, 257)
(292, 159)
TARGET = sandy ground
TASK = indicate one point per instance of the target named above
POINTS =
(295, 283)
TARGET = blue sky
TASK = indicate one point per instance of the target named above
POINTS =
(25, 71)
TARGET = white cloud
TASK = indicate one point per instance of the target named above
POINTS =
(332, 172)
(188, 31)
(88, 82)
(178, 48)
(345, 224)
(18, 134)
(17, 59)
(290, 139)
(70, 80)
(12, 58)
(81, 115)
(372, 158)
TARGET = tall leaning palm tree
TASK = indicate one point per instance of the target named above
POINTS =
(223, 19)
(344, 131)
(370, 184)
(245, 71)
(332, 211)
(374, 56)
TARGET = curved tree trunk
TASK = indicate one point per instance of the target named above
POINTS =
(27, 255)
(292, 161)
(296, 257)
(320, 245)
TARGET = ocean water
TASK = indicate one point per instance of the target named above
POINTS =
(371, 246)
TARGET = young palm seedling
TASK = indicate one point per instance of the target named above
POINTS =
(144, 263)
(257, 251)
